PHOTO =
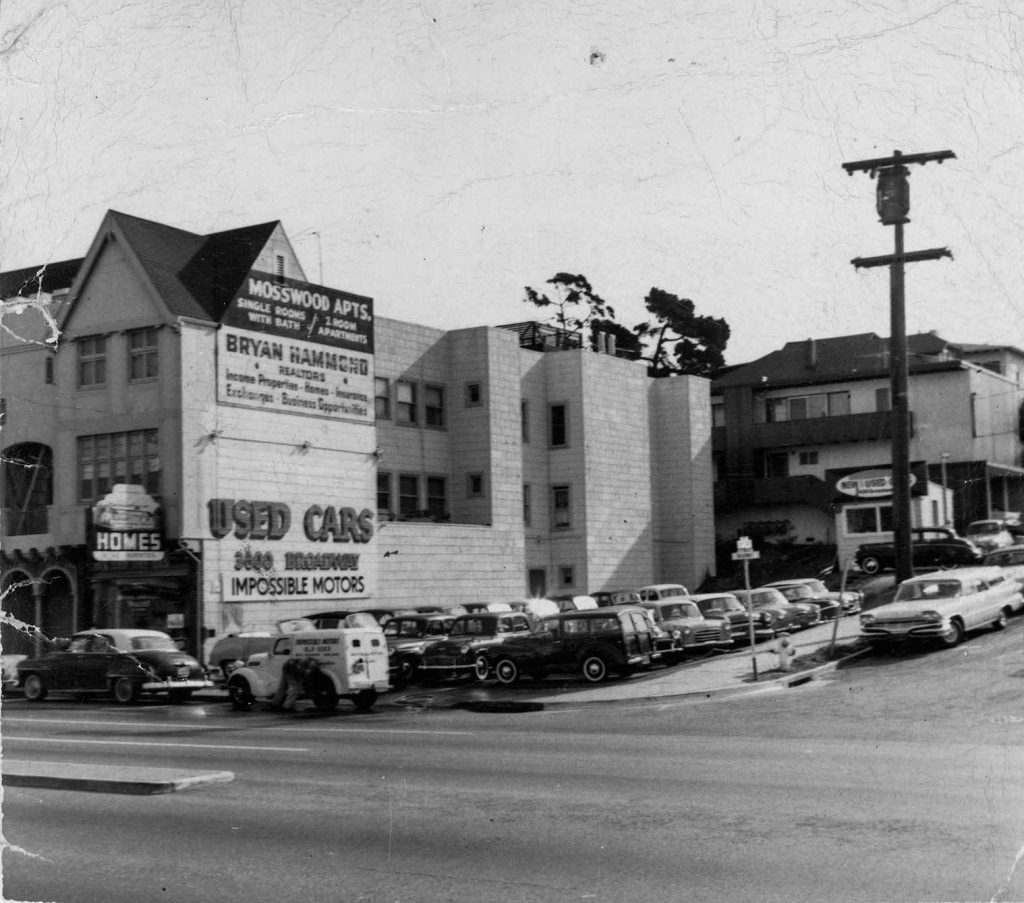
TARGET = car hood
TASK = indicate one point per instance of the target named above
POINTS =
(901, 610)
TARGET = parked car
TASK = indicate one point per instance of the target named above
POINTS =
(943, 606)
(463, 654)
(535, 609)
(1010, 559)
(351, 663)
(933, 547)
(117, 662)
(849, 600)
(655, 592)
(408, 636)
(988, 535)
(685, 629)
(785, 616)
(616, 597)
(726, 607)
(828, 607)
(477, 607)
(592, 643)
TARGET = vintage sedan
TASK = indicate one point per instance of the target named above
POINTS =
(592, 642)
(118, 662)
(988, 535)
(849, 600)
(828, 606)
(686, 629)
(408, 637)
(932, 547)
(464, 653)
(785, 616)
(943, 606)
(1010, 559)
(726, 607)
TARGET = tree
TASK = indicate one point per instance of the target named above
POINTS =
(675, 341)
(682, 341)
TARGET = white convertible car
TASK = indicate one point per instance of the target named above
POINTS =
(944, 606)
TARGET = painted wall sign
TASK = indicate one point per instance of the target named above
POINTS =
(278, 556)
(293, 376)
(290, 309)
(126, 525)
(869, 484)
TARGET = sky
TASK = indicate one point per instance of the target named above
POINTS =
(440, 156)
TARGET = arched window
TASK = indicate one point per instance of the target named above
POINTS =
(28, 487)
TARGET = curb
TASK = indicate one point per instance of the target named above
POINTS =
(106, 778)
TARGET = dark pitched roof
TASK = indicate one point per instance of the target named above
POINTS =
(47, 277)
(195, 275)
(861, 356)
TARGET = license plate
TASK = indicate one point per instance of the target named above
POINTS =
(183, 672)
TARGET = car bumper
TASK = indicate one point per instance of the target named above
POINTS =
(906, 631)
(157, 686)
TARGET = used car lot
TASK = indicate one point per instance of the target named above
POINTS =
(464, 653)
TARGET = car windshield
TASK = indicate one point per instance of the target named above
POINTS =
(720, 603)
(983, 528)
(679, 610)
(669, 591)
(795, 593)
(927, 589)
(142, 643)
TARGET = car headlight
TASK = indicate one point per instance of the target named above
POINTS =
(765, 617)
(867, 619)
(677, 635)
(931, 615)
(463, 649)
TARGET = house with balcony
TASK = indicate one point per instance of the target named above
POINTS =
(791, 428)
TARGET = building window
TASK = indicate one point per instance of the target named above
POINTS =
(474, 394)
(883, 399)
(132, 457)
(437, 496)
(384, 493)
(527, 505)
(566, 577)
(408, 494)
(142, 354)
(808, 458)
(92, 361)
(433, 406)
(28, 488)
(807, 407)
(868, 519)
(475, 485)
(559, 426)
(718, 415)
(524, 421)
(561, 518)
(405, 402)
(382, 398)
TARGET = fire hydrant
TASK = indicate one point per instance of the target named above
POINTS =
(784, 649)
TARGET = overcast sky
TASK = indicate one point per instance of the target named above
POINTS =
(439, 156)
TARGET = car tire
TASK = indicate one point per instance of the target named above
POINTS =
(125, 690)
(594, 669)
(240, 694)
(179, 696)
(955, 635)
(227, 666)
(481, 667)
(365, 699)
(35, 689)
(323, 694)
(507, 672)
(1001, 622)
(870, 565)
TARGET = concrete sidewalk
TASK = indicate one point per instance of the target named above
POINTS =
(719, 675)
(107, 778)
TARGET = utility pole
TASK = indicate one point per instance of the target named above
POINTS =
(893, 205)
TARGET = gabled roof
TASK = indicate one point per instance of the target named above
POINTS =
(811, 361)
(195, 275)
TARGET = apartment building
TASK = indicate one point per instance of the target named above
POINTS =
(800, 433)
